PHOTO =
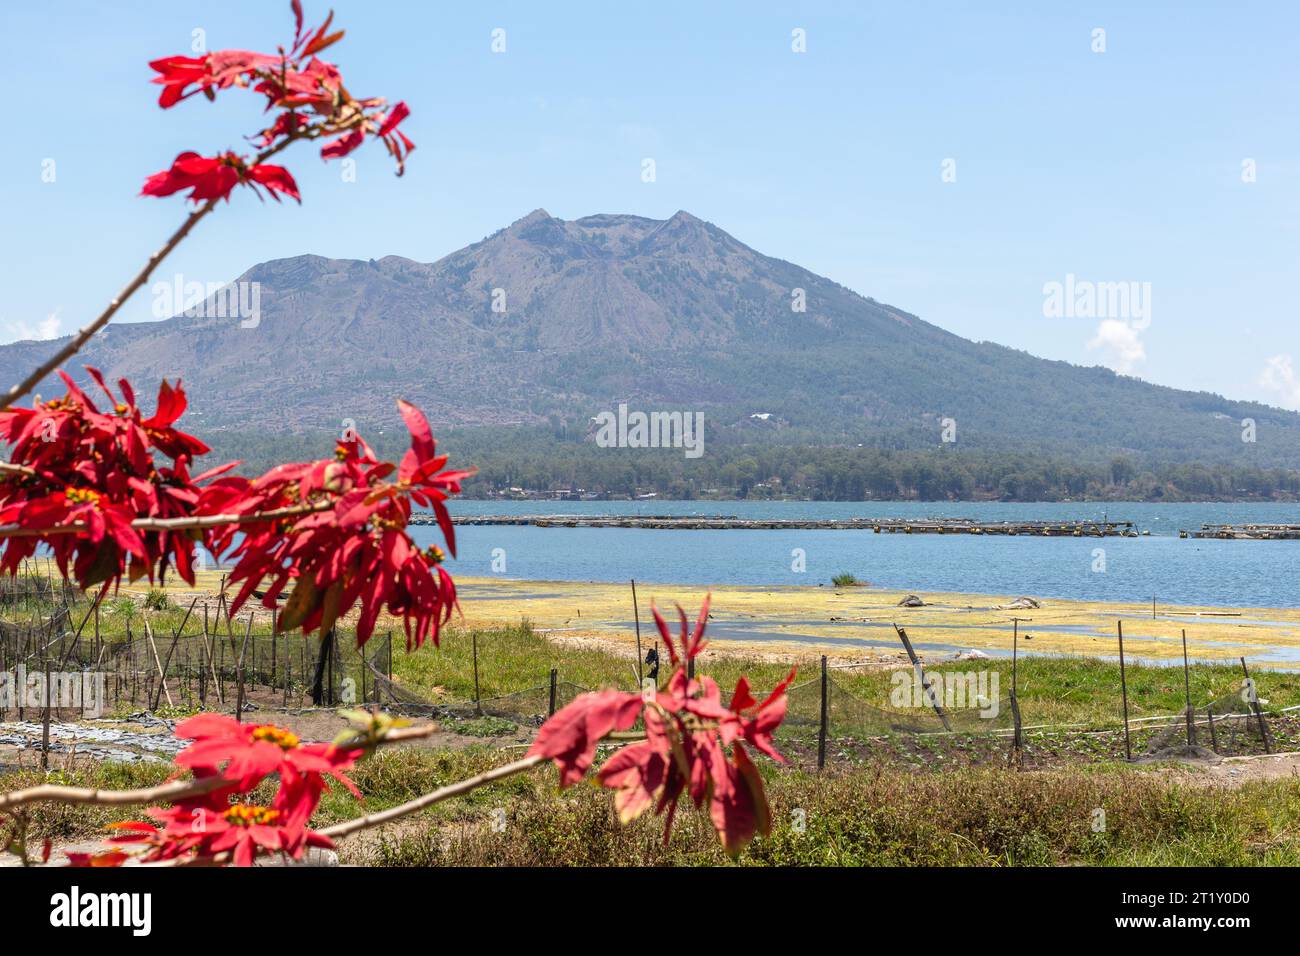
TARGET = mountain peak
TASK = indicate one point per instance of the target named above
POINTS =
(537, 215)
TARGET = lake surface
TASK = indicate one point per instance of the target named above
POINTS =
(1174, 570)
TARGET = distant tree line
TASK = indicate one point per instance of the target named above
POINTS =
(540, 459)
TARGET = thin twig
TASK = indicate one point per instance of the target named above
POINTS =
(429, 799)
(84, 335)
(169, 792)
(176, 524)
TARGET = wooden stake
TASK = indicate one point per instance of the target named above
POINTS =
(1259, 714)
(45, 723)
(1187, 694)
(1015, 651)
(1016, 740)
(478, 707)
(636, 614)
(824, 719)
(1123, 684)
(323, 668)
(925, 683)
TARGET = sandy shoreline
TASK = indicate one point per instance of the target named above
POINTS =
(857, 622)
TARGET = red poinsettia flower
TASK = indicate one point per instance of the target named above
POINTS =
(177, 74)
(98, 471)
(307, 93)
(216, 822)
(354, 546)
(571, 736)
(384, 127)
(205, 828)
(213, 177)
(215, 71)
(687, 733)
(245, 829)
(250, 752)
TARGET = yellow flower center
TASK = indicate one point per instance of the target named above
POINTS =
(79, 496)
(248, 814)
(435, 554)
(276, 735)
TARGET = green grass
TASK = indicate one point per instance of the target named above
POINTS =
(1051, 690)
(157, 600)
(874, 816)
(845, 580)
(879, 815)
(485, 726)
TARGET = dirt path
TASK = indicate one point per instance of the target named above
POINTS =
(1233, 772)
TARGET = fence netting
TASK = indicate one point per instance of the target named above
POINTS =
(532, 705)
(910, 710)
(1230, 725)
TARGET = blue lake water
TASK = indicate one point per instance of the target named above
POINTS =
(1174, 570)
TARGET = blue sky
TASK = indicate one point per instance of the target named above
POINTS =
(1125, 165)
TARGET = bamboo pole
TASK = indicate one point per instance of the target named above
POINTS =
(176, 636)
(162, 677)
(243, 649)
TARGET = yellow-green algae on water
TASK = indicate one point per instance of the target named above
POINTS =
(839, 620)
(761, 620)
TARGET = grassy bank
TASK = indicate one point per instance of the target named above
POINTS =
(1052, 690)
(870, 816)
(886, 816)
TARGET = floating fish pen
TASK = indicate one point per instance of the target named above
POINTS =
(1246, 532)
(1058, 529)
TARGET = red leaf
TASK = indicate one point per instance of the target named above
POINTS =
(571, 735)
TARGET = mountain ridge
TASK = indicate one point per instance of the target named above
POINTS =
(549, 319)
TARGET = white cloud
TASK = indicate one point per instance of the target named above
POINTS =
(1279, 377)
(1121, 342)
(18, 330)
